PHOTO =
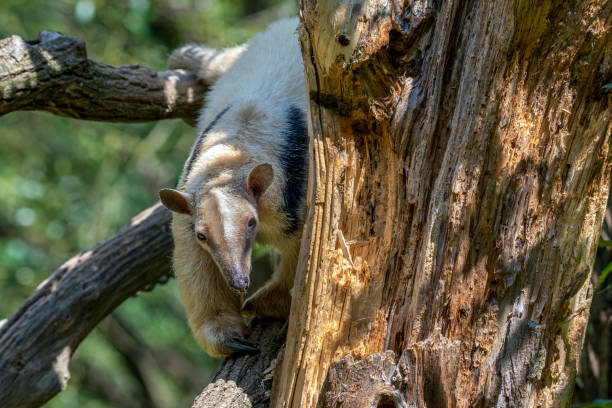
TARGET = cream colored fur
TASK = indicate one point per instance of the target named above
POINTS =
(207, 63)
(258, 81)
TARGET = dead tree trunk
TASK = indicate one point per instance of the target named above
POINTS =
(460, 166)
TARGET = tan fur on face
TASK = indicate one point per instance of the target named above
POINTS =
(222, 215)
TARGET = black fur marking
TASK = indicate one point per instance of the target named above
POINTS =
(198, 143)
(294, 160)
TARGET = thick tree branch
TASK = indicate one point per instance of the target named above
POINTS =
(246, 381)
(53, 74)
(36, 343)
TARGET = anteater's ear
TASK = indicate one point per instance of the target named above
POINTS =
(176, 201)
(260, 179)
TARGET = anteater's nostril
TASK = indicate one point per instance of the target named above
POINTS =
(241, 283)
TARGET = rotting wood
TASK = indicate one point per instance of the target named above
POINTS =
(460, 166)
(371, 382)
(53, 74)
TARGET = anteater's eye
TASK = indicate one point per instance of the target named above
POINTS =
(201, 236)
(252, 223)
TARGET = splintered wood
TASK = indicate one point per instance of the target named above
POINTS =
(460, 166)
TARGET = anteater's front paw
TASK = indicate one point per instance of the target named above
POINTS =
(272, 300)
(190, 57)
(225, 336)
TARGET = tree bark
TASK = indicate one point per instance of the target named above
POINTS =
(53, 74)
(246, 381)
(37, 341)
(460, 166)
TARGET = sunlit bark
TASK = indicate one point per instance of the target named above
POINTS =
(459, 175)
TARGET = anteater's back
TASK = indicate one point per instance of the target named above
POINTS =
(272, 62)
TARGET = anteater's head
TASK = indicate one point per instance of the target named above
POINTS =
(225, 221)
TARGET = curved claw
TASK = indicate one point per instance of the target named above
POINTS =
(247, 305)
(241, 347)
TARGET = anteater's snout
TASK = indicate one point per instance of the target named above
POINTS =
(239, 283)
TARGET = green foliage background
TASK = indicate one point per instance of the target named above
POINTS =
(68, 184)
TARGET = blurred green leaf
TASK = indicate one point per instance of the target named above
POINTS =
(595, 404)
(604, 243)
(604, 274)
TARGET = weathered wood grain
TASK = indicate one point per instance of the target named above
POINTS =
(371, 382)
(460, 167)
(53, 74)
